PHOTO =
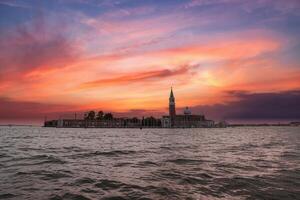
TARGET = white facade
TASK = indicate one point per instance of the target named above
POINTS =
(165, 122)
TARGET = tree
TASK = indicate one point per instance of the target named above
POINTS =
(108, 116)
(100, 115)
(86, 116)
(135, 120)
(90, 115)
(151, 121)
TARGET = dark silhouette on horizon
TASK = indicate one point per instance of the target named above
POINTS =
(93, 119)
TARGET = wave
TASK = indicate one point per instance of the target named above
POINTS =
(132, 191)
(114, 198)
(70, 196)
(144, 164)
(28, 149)
(114, 153)
(122, 164)
(7, 196)
(84, 180)
(183, 161)
(73, 148)
(47, 175)
(48, 159)
(106, 184)
(2, 155)
(36, 160)
(89, 190)
(193, 181)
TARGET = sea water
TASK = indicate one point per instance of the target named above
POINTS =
(229, 163)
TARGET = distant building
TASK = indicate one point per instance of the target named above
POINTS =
(51, 123)
(294, 124)
(149, 122)
(186, 120)
(222, 124)
(112, 123)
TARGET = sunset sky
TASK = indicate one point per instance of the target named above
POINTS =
(227, 59)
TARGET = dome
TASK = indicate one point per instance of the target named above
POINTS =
(187, 111)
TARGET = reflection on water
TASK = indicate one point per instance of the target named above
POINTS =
(232, 163)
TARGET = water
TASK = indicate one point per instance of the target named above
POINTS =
(231, 163)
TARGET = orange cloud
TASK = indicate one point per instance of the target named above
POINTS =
(137, 77)
(232, 49)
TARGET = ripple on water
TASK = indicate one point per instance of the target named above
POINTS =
(184, 161)
(122, 164)
(113, 198)
(89, 190)
(106, 184)
(204, 175)
(115, 153)
(3, 155)
(84, 180)
(37, 160)
(193, 181)
(132, 191)
(51, 159)
(69, 196)
(73, 148)
(236, 186)
(7, 196)
(288, 155)
(169, 174)
(272, 144)
(112, 187)
(46, 175)
(184, 178)
(145, 164)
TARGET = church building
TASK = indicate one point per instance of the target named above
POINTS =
(185, 120)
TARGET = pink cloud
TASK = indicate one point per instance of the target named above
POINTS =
(36, 45)
(138, 77)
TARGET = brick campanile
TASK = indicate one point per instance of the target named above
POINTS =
(172, 108)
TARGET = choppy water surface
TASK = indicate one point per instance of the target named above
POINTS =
(231, 163)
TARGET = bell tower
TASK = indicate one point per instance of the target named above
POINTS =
(172, 108)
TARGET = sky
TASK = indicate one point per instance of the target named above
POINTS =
(233, 60)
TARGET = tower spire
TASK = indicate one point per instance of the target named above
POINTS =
(172, 108)
(171, 94)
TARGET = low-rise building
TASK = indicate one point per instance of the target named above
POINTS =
(185, 120)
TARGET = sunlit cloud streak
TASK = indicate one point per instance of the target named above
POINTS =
(138, 77)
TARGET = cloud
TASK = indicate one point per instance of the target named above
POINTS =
(137, 31)
(281, 7)
(37, 44)
(230, 48)
(196, 3)
(129, 12)
(255, 106)
(16, 4)
(138, 77)
(32, 54)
